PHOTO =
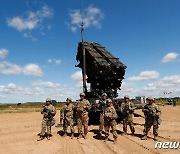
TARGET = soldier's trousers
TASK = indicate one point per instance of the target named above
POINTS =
(128, 121)
(68, 121)
(147, 127)
(82, 121)
(46, 123)
(61, 116)
(101, 121)
(112, 124)
(61, 120)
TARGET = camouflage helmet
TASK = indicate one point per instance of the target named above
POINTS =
(104, 94)
(109, 100)
(48, 100)
(151, 98)
(82, 94)
(69, 99)
(126, 96)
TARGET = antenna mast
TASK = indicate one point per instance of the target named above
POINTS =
(84, 54)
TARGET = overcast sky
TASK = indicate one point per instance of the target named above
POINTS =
(38, 45)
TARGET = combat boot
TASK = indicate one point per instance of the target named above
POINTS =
(80, 136)
(48, 137)
(115, 140)
(144, 137)
(106, 139)
(85, 136)
(72, 135)
(155, 138)
(124, 133)
(65, 135)
(40, 138)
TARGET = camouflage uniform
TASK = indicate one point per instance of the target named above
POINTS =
(110, 117)
(152, 118)
(68, 117)
(82, 108)
(48, 112)
(127, 109)
(101, 118)
(61, 116)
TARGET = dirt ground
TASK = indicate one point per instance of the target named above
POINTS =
(18, 134)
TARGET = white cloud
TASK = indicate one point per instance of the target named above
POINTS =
(76, 17)
(169, 57)
(74, 29)
(56, 61)
(2, 96)
(150, 87)
(32, 20)
(45, 84)
(92, 16)
(145, 75)
(45, 12)
(33, 70)
(77, 77)
(14, 69)
(168, 84)
(165, 84)
(127, 86)
(38, 91)
(22, 24)
(13, 90)
(3, 53)
(28, 35)
(174, 79)
(9, 68)
(49, 61)
(10, 88)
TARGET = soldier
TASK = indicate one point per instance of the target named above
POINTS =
(48, 112)
(174, 102)
(152, 118)
(61, 117)
(127, 109)
(110, 117)
(82, 108)
(101, 105)
(68, 117)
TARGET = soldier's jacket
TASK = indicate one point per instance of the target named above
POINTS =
(101, 105)
(153, 109)
(48, 111)
(68, 110)
(110, 113)
(80, 107)
(124, 108)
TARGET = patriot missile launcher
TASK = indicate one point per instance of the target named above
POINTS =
(103, 71)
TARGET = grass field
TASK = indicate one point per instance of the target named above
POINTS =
(36, 107)
(33, 107)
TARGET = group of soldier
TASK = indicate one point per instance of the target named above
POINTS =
(108, 116)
